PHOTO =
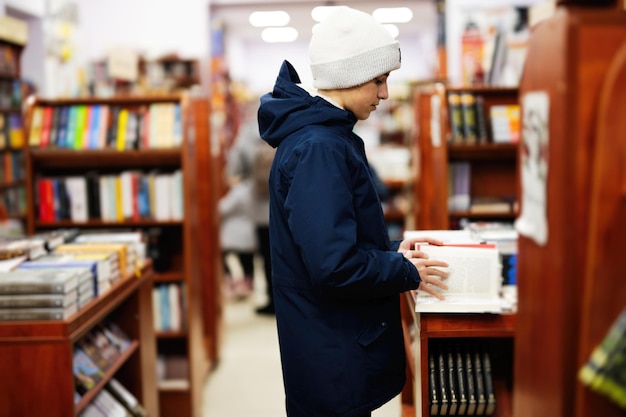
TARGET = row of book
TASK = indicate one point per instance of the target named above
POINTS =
(460, 380)
(100, 126)
(461, 200)
(48, 277)
(13, 201)
(168, 302)
(11, 131)
(10, 94)
(95, 353)
(12, 167)
(129, 195)
(472, 122)
(9, 61)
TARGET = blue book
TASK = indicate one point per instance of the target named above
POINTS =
(70, 131)
(89, 268)
(94, 126)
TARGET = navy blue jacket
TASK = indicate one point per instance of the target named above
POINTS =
(336, 276)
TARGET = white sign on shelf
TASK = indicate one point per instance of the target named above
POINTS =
(532, 221)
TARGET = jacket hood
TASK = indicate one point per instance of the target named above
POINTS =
(289, 107)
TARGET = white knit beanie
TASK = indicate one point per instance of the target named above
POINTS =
(349, 48)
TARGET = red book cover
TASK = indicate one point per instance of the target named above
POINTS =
(46, 126)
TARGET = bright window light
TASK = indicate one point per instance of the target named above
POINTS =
(269, 19)
(319, 13)
(393, 14)
(284, 34)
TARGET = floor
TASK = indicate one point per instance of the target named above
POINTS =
(247, 382)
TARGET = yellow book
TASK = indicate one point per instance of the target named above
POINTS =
(118, 248)
(122, 125)
(119, 207)
(36, 123)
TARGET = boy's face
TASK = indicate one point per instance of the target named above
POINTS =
(363, 99)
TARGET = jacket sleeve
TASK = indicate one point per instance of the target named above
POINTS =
(322, 220)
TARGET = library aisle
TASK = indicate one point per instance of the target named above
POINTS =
(248, 382)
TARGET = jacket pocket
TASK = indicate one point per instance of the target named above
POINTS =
(372, 332)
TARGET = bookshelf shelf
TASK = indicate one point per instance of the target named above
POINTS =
(491, 169)
(40, 352)
(492, 331)
(105, 158)
(188, 241)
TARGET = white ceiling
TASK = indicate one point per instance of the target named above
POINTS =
(234, 14)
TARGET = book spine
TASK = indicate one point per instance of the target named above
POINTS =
(461, 377)
(456, 117)
(468, 110)
(481, 399)
(433, 388)
(482, 135)
(31, 288)
(443, 385)
(471, 385)
(452, 382)
(31, 314)
(490, 395)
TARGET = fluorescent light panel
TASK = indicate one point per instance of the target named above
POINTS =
(261, 19)
(393, 14)
(283, 34)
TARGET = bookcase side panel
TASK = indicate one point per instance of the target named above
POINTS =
(37, 378)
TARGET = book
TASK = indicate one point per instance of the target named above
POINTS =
(63, 121)
(97, 247)
(456, 117)
(117, 337)
(38, 313)
(443, 384)
(603, 372)
(474, 280)
(433, 387)
(479, 376)
(41, 281)
(86, 372)
(34, 137)
(88, 269)
(77, 191)
(472, 401)
(461, 381)
(46, 126)
(505, 123)
(452, 381)
(87, 345)
(490, 395)
(126, 398)
(482, 134)
(468, 111)
(114, 408)
(37, 300)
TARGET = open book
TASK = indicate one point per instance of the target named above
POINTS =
(473, 284)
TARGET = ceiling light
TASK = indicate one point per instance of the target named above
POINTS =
(319, 13)
(393, 14)
(267, 19)
(284, 34)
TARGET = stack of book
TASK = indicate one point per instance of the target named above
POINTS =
(460, 380)
(117, 250)
(42, 294)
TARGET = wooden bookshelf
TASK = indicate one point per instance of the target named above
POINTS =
(493, 174)
(493, 166)
(193, 250)
(38, 354)
(12, 185)
(571, 285)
